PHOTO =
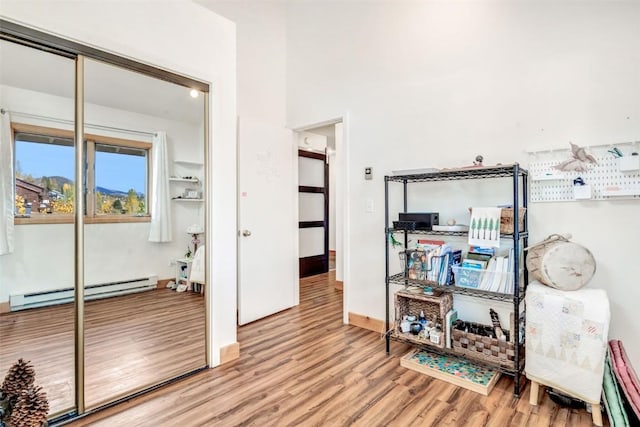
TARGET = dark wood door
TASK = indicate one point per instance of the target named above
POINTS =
(313, 204)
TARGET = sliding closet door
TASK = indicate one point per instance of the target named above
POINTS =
(144, 319)
(37, 235)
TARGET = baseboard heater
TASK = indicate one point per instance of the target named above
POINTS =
(91, 292)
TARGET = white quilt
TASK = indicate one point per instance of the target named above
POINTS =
(566, 339)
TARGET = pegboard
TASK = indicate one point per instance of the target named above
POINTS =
(606, 180)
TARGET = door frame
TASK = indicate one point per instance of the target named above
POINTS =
(343, 204)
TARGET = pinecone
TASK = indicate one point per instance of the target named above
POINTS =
(20, 377)
(30, 409)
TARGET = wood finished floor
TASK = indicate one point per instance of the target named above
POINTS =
(303, 367)
(132, 341)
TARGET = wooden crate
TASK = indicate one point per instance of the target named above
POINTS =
(435, 308)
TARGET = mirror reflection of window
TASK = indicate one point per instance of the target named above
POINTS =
(44, 175)
(37, 277)
(121, 184)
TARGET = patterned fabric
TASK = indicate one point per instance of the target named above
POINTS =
(626, 376)
(567, 339)
(612, 398)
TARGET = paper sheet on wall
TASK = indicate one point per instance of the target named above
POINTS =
(484, 229)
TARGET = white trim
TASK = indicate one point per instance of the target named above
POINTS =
(296, 216)
(324, 123)
(346, 214)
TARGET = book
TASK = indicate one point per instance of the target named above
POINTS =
(510, 270)
(487, 278)
(479, 256)
(505, 277)
(482, 250)
(496, 278)
(449, 318)
(455, 258)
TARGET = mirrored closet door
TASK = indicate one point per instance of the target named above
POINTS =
(144, 316)
(102, 216)
(37, 234)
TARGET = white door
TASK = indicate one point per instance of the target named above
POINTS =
(267, 259)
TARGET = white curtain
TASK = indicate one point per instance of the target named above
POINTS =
(160, 230)
(6, 185)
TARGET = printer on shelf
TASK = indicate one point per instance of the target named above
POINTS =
(416, 220)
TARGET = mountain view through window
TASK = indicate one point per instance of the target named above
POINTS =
(45, 185)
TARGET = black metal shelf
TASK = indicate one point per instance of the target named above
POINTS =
(501, 171)
(400, 279)
(519, 179)
(521, 234)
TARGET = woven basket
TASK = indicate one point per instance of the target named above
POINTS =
(506, 220)
(485, 348)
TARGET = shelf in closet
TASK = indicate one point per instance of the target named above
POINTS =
(175, 179)
(184, 199)
(188, 163)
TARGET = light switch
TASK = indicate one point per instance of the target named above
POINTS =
(368, 172)
(369, 208)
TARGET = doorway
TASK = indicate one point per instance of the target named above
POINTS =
(313, 209)
(327, 138)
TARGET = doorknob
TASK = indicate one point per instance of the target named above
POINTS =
(246, 233)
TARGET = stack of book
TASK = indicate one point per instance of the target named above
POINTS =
(486, 272)
(440, 258)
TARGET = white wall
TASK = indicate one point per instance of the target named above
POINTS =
(261, 41)
(205, 49)
(432, 84)
(113, 251)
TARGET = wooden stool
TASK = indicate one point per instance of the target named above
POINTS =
(595, 406)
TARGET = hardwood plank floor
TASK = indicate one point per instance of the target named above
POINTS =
(131, 341)
(303, 367)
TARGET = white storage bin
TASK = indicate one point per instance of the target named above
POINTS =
(629, 163)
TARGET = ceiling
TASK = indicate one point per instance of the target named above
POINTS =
(105, 85)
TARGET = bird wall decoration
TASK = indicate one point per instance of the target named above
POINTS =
(578, 161)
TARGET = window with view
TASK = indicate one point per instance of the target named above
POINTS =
(44, 175)
(120, 180)
(117, 173)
